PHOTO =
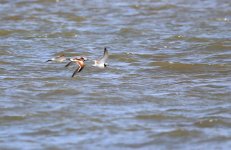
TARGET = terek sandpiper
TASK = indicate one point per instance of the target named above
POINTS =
(59, 58)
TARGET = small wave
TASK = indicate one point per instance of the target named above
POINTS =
(72, 17)
(41, 132)
(176, 37)
(5, 63)
(9, 32)
(212, 122)
(123, 58)
(11, 118)
(197, 39)
(221, 19)
(218, 46)
(62, 34)
(157, 117)
(130, 31)
(5, 52)
(13, 18)
(153, 8)
(180, 133)
(58, 92)
(189, 67)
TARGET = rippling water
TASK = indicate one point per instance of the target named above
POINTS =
(167, 85)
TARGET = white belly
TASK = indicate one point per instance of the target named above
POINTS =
(99, 65)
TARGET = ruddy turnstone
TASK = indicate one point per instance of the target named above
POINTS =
(59, 58)
(79, 62)
(101, 63)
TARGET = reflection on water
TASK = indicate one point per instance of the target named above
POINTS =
(167, 84)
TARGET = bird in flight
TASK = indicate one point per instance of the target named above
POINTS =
(59, 58)
(79, 62)
(101, 63)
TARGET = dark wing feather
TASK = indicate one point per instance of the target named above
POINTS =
(105, 56)
(78, 69)
(48, 60)
(75, 72)
(68, 64)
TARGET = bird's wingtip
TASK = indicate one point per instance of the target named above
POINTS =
(48, 60)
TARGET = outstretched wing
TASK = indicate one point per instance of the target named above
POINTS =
(68, 64)
(105, 56)
(48, 60)
(75, 72)
(78, 69)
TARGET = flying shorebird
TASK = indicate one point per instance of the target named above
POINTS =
(101, 63)
(79, 62)
(73, 59)
(59, 58)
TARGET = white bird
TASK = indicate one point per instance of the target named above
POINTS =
(101, 63)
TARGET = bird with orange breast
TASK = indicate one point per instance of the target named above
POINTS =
(79, 61)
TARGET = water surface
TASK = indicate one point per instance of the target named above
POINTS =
(167, 85)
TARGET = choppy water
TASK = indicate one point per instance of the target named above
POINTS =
(167, 85)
